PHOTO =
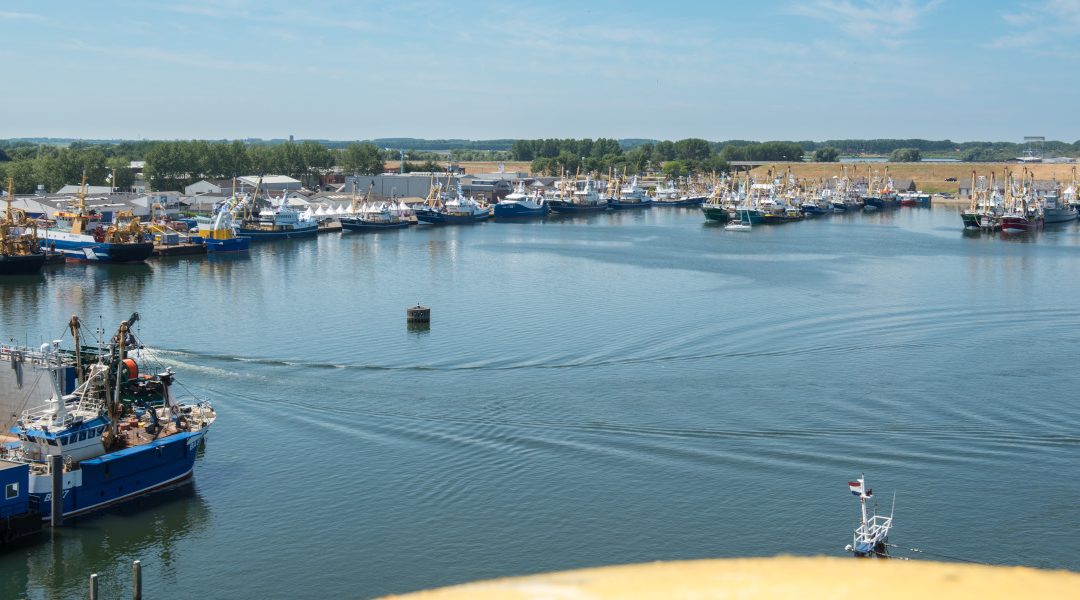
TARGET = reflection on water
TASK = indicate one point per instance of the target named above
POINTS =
(147, 528)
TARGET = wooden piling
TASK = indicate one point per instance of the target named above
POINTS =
(93, 586)
(136, 580)
(56, 504)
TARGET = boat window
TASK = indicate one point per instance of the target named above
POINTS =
(11, 491)
(52, 441)
(82, 435)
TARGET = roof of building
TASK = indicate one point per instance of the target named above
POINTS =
(269, 180)
(90, 189)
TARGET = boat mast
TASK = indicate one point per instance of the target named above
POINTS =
(862, 498)
(74, 325)
(11, 189)
(79, 219)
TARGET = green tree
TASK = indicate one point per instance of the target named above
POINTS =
(362, 159)
(905, 155)
(675, 168)
(22, 172)
(827, 154)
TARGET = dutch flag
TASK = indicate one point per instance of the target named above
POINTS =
(855, 487)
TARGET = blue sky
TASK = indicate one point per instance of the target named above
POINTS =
(812, 69)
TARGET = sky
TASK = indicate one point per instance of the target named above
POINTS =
(331, 69)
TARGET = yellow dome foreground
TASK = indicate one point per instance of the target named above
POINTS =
(782, 577)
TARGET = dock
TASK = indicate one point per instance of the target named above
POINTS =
(330, 227)
(186, 249)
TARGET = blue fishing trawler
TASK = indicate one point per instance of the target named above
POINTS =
(521, 205)
(120, 433)
(78, 237)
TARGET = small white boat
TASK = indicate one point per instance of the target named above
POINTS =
(738, 226)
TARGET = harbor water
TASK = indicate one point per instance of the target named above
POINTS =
(618, 388)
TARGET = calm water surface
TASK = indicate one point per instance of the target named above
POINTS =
(618, 388)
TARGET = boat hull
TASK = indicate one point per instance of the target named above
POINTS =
(1059, 215)
(695, 201)
(749, 215)
(517, 211)
(236, 244)
(440, 218)
(1016, 224)
(84, 248)
(120, 475)
(883, 202)
(259, 235)
(971, 220)
(716, 213)
(632, 205)
(21, 264)
(571, 208)
(775, 219)
(365, 225)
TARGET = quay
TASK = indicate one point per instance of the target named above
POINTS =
(330, 227)
(183, 249)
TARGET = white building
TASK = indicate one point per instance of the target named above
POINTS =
(202, 187)
(271, 183)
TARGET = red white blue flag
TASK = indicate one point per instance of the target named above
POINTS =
(855, 487)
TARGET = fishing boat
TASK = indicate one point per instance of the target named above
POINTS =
(1022, 213)
(120, 433)
(1054, 206)
(572, 200)
(370, 216)
(678, 195)
(984, 212)
(715, 209)
(914, 199)
(124, 241)
(871, 538)
(811, 207)
(219, 231)
(630, 196)
(278, 222)
(882, 196)
(521, 205)
(452, 208)
(20, 250)
(747, 209)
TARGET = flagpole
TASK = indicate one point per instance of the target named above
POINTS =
(862, 498)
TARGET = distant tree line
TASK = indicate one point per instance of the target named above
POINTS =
(55, 162)
(554, 156)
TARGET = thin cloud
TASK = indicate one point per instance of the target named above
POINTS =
(883, 21)
(1040, 27)
(18, 16)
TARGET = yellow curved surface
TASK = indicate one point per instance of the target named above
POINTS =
(767, 578)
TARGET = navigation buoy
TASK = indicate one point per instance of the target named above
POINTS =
(418, 314)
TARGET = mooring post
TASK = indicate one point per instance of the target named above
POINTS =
(93, 586)
(136, 580)
(56, 468)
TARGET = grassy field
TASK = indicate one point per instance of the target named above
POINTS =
(929, 177)
(472, 168)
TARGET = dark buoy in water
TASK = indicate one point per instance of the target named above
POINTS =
(418, 314)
